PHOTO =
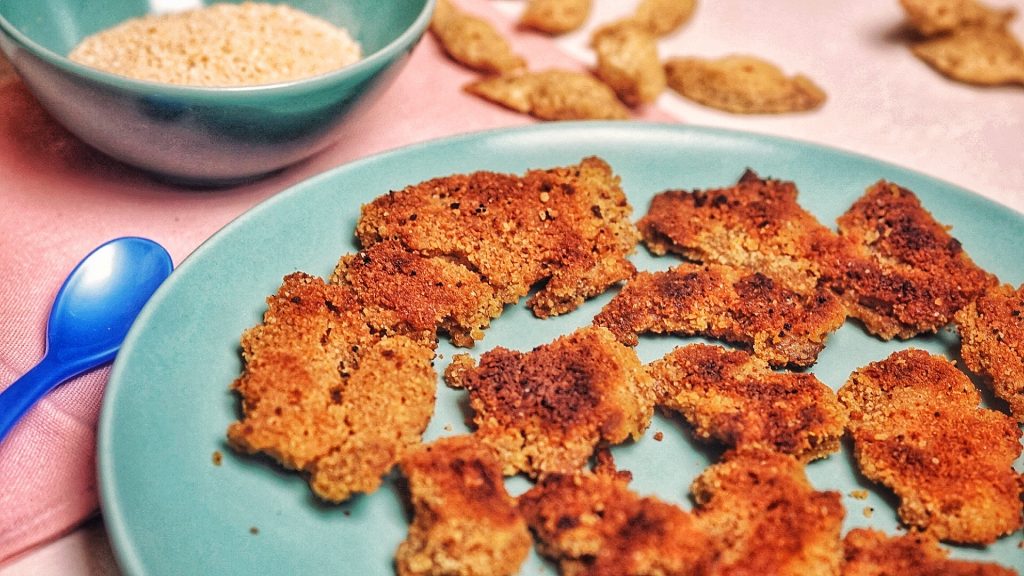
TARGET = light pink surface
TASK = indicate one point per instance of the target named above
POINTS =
(59, 199)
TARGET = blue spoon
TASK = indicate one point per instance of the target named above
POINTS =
(89, 319)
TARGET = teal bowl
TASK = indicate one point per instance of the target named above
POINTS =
(198, 135)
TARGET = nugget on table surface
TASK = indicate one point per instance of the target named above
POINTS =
(662, 17)
(917, 428)
(464, 522)
(742, 84)
(975, 55)
(627, 61)
(552, 95)
(907, 276)
(322, 394)
(992, 342)
(555, 16)
(567, 226)
(472, 41)
(767, 518)
(546, 410)
(735, 398)
(404, 293)
(782, 326)
(872, 553)
(756, 224)
(933, 17)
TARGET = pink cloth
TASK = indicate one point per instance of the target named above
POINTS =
(59, 199)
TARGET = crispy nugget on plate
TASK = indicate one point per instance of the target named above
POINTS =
(975, 55)
(552, 95)
(546, 410)
(661, 17)
(743, 85)
(567, 226)
(323, 395)
(473, 42)
(933, 17)
(738, 400)
(872, 553)
(627, 61)
(918, 428)
(992, 342)
(464, 522)
(555, 16)
(907, 275)
(782, 326)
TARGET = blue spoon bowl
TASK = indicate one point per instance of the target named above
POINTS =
(91, 315)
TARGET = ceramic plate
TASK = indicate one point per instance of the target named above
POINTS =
(171, 510)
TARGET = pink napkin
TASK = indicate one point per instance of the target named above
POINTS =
(61, 199)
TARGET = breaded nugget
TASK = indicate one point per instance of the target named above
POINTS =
(992, 342)
(473, 42)
(782, 326)
(555, 16)
(546, 410)
(918, 429)
(767, 518)
(933, 17)
(323, 395)
(567, 226)
(627, 61)
(872, 553)
(907, 276)
(736, 399)
(464, 522)
(743, 85)
(975, 55)
(756, 224)
(552, 95)
(404, 293)
(661, 17)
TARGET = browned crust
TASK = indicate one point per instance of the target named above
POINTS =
(736, 399)
(992, 342)
(872, 553)
(918, 429)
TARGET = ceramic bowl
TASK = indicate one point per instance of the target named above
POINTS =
(205, 136)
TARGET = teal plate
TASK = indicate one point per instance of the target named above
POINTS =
(170, 510)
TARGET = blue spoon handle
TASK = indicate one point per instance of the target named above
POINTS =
(24, 392)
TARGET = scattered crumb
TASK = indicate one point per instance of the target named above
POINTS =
(254, 530)
(447, 427)
(869, 511)
(859, 494)
(217, 458)
(346, 512)
(658, 436)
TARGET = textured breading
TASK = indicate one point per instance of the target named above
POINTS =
(767, 518)
(992, 342)
(975, 55)
(567, 226)
(552, 95)
(735, 398)
(662, 17)
(546, 410)
(782, 326)
(872, 553)
(472, 41)
(907, 275)
(627, 61)
(742, 84)
(322, 394)
(464, 522)
(933, 17)
(555, 16)
(918, 428)
(414, 295)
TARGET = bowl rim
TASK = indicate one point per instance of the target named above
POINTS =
(369, 63)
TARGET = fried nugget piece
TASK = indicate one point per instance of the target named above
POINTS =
(473, 42)
(627, 61)
(552, 95)
(662, 17)
(323, 395)
(767, 518)
(736, 399)
(567, 226)
(756, 224)
(464, 522)
(934, 17)
(907, 276)
(872, 553)
(992, 342)
(918, 429)
(555, 16)
(742, 85)
(975, 55)
(782, 326)
(546, 410)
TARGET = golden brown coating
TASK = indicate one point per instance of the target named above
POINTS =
(464, 522)
(555, 16)
(546, 410)
(323, 395)
(473, 42)
(627, 61)
(992, 342)
(736, 399)
(872, 553)
(742, 85)
(567, 226)
(552, 95)
(933, 17)
(767, 518)
(918, 429)
(907, 276)
(976, 55)
(661, 17)
(404, 293)
(782, 326)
